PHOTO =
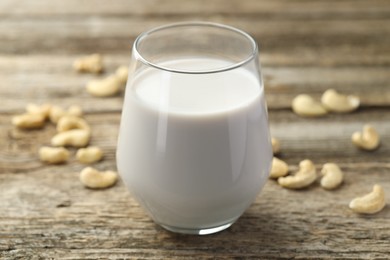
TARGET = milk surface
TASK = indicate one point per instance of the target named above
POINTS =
(194, 149)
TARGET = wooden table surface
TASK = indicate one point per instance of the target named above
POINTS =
(306, 47)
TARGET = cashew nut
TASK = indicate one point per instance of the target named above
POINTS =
(336, 102)
(94, 179)
(305, 105)
(333, 176)
(53, 154)
(122, 73)
(275, 145)
(303, 178)
(29, 121)
(109, 86)
(74, 137)
(370, 203)
(368, 140)
(36, 109)
(279, 168)
(57, 112)
(92, 63)
(68, 122)
(89, 155)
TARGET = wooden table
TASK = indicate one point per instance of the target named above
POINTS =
(306, 47)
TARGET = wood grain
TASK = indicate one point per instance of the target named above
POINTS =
(41, 78)
(70, 222)
(115, 35)
(279, 8)
(306, 47)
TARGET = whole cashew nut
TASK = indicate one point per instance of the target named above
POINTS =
(333, 176)
(336, 102)
(53, 154)
(74, 137)
(89, 155)
(95, 179)
(92, 63)
(305, 105)
(29, 121)
(302, 179)
(109, 86)
(275, 145)
(68, 122)
(279, 168)
(367, 140)
(370, 203)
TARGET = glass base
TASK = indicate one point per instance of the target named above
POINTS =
(205, 231)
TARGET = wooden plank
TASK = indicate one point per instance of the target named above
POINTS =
(307, 56)
(375, 51)
(286, 83)
(298, 53)
(47, 213)
(145, 8)
(131, 27)
(325, 56)
(322, 140)
(329, 139)
(78, 35)
(44, 79)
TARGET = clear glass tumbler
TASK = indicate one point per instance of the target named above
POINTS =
(194, 146)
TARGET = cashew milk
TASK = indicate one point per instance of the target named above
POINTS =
(194, 148)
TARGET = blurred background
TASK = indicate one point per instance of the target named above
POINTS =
(297, 38)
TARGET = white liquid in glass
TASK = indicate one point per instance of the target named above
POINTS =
(194, 148)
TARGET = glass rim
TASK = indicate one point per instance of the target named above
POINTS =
(234, 65)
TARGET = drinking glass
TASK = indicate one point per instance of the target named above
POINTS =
(194, 146)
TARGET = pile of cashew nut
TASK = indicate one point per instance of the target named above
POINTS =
(333, 101)
(332, 176)
(368, 139)
(306, 175)
(72, 131)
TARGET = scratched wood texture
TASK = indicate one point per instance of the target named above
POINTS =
(306, 46)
